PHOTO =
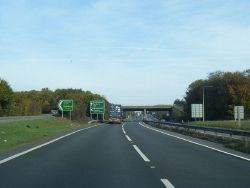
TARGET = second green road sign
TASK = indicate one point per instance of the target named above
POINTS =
(65, 105)
(97, 107)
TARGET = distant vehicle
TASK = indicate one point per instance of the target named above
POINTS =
(115, 113)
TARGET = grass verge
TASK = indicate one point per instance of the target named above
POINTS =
(17, 133)
(245, 124)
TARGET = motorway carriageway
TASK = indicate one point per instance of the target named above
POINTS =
(128, 155)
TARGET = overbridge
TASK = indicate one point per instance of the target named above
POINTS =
(145, 109)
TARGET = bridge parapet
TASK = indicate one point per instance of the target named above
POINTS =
(148, 108)
(144, 109)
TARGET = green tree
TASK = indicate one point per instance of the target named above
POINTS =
(6, 97)
(178, 113)
(37, 102)
(47, 100)
(229, 89)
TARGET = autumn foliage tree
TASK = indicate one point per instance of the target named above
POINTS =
(228, 89)
(34, 102)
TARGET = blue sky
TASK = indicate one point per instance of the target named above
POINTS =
(131, 51)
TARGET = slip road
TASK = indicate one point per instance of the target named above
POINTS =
(127, 155)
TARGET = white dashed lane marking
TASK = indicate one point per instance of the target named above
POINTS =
(129, 139)
(141, 154)
(167, 183)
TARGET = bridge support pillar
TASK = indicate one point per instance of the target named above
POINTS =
(145, 113)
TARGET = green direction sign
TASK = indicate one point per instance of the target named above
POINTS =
(97, 107)
(65, 105)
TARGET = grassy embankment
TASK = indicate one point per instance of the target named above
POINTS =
(236, 144)
(245, 124)
(17, 133)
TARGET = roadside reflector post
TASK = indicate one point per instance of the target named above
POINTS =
(247, 143)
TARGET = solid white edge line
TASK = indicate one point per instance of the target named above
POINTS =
(123, 125)
(203, 145)
(167, 183)
(129, 139)
(42, 145)
(141, 154)
(123, 130)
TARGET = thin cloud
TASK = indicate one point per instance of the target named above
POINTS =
(119, 48)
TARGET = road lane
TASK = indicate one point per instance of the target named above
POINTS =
(97, 157)
(111, 156)
(186, 164)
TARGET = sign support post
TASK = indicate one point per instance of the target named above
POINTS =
(238, 115)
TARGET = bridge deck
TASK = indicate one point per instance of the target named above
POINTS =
(148, 108)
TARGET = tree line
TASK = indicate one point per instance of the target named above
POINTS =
(226, 90)
(34, 102)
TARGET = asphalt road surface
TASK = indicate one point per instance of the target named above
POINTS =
(124, 156)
